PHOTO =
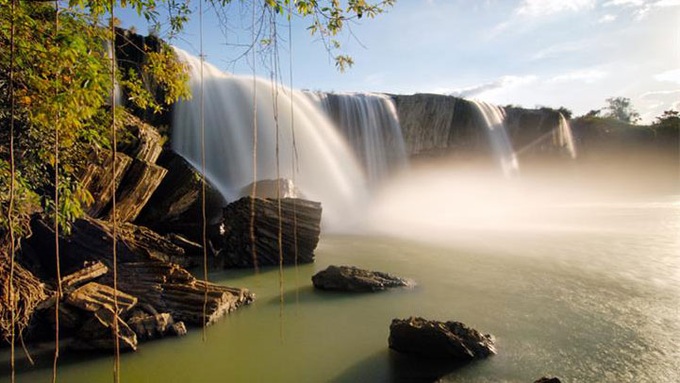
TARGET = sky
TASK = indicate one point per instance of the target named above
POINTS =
(570, 53)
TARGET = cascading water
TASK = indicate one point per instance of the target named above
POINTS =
(563, 137)
(493, 118)
(326, 169)
(370, 123)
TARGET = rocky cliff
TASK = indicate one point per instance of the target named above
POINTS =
(436, 125)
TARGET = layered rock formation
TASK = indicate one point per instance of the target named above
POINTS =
(298, 222)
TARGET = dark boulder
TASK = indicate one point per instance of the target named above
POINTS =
(352, 279)
(445, 340)
(546, 379)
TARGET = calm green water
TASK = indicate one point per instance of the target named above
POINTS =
(595, 304)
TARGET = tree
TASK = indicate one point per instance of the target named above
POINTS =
(667, 128)
(620, 108)
(669, 118)
(55, 77)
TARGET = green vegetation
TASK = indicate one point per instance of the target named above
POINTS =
(56, 85)
(55, 93)
(621, 109)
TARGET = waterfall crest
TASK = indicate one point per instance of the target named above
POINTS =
(493, 118)
(370, 123)
(325, 170)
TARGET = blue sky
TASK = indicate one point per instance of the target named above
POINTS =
(571, 53)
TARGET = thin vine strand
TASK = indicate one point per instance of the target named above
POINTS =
(56, 208)
(294, 155)
(274, 70)
(203, 181)
(114, 219)
(253, 191)
(10, 212)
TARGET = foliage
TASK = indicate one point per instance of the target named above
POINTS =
(61, 89)
(59, 97)
(667, 128)
(328, 18)
(669, 118)
(567, 113)
(620, 108)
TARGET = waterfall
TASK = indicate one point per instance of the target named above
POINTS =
(325, 170)
(493, 118)
(370, 123)
(563, 137)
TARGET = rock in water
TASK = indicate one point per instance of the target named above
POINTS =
(352, 279)
(268, 189)
(546, 379)
(300, 222)
(433, 339)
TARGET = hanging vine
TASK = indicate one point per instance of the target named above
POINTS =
(114, 215)
(253, 190)
(58, 293)
(12, 187)
(204, 223)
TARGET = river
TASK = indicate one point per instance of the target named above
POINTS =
(593, 302)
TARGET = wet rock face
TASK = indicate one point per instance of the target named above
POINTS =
(352, 279)
(442, 340)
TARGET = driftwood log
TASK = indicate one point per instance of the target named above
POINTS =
(299, 222)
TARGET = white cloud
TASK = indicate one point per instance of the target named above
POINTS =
(624, 3)
(608, 18)
(667, 3)
(657, 93)
(501, 83)
(548, 7)
(669, 76)
(641, 8)
(585, 75)
(558, 50)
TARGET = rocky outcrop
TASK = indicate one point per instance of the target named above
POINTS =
(169, 288)
(439, 125)
(90, 309)
(447, 340)
(176, 206)
(298, 221)
(352, 279)
(426, 122)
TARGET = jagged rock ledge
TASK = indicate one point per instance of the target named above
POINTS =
(353, 279)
